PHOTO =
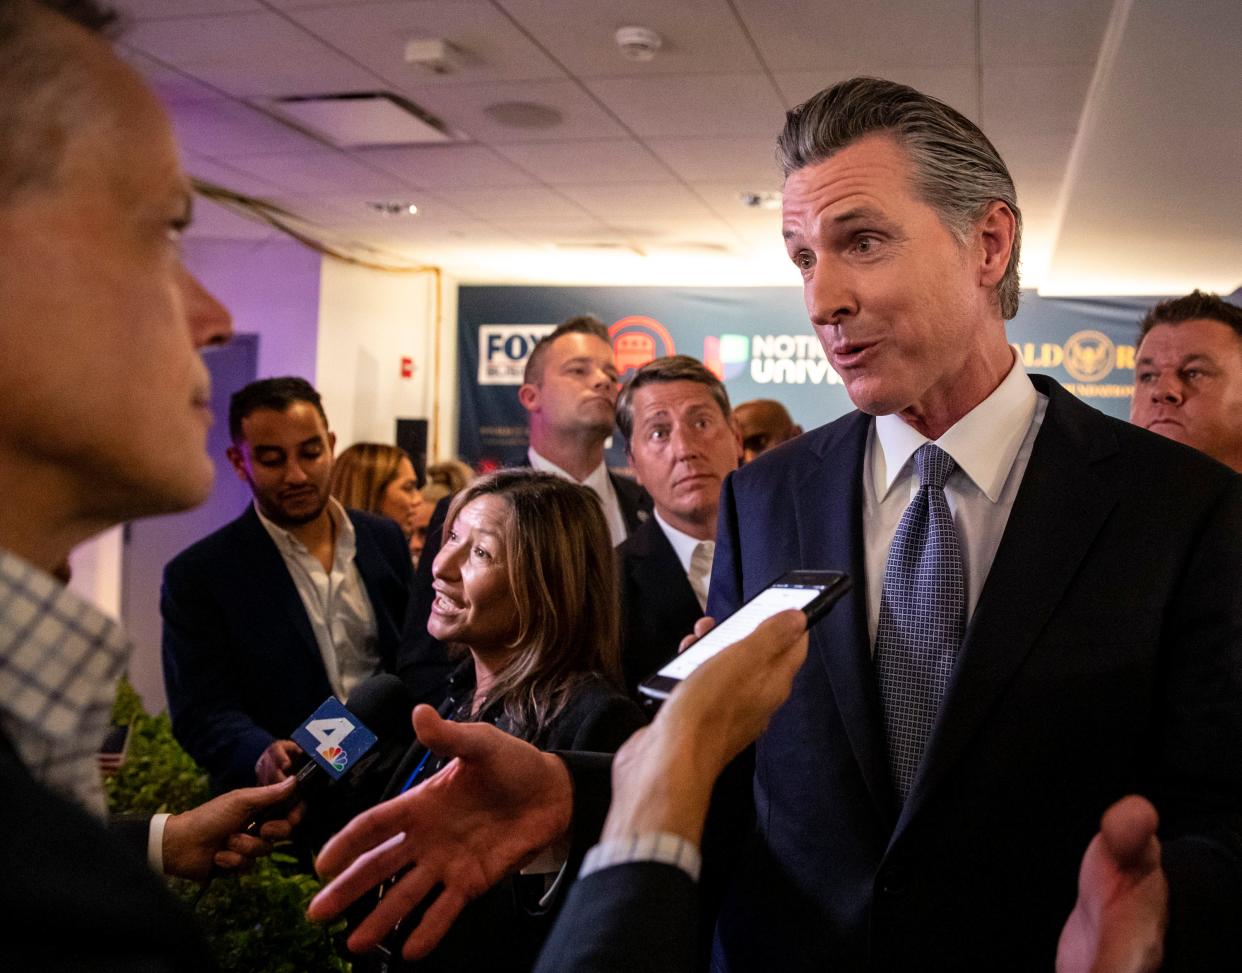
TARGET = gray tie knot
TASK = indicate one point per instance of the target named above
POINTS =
(933, 466)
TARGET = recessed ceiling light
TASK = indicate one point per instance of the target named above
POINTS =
(393, 208)
(761, 200)
(523, 114)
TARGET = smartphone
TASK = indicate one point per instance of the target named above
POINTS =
(812, 591)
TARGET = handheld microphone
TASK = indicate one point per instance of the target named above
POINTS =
(339, 743)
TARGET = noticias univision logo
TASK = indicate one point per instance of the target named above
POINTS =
(337, 757)
(726, 355)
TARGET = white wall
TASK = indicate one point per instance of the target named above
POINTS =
(369, 321)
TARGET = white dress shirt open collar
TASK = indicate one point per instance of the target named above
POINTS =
(983, 443)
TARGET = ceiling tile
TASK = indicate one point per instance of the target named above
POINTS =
(698, 36)
(704, 104)
(462, 106)
(804, 35)
(1043, 31)
(638, 202)
(222, 129)
(375, 34)
(1032, 157)
(517, 203)
(750, 161)
(605, 161)
(955, 85)
(153, 9)
(171, 86)
(323, 171)
(250, 54)
(448, 166)
(1036, 98)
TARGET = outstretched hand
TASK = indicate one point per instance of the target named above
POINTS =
(1119, 920)
(497, 803)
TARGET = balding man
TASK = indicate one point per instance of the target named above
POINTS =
(764, 423)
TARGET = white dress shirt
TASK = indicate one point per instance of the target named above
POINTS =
(336, 602)
(698, 571)
(991, 446)
(598, 481)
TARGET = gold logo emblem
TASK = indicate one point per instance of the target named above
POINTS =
(1089, 356)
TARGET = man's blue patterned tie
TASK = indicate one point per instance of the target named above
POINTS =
(922, 617)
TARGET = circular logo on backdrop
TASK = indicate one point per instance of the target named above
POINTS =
(637, 340)
(1089, 356)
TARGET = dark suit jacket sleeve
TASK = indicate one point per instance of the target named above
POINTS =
(203, 699)
(639, 916)
(1202, 757)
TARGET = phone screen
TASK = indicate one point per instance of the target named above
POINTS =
(786, 593)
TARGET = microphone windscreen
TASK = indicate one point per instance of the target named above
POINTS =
(383, 704)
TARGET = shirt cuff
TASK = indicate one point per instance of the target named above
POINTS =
(155, 842)
(661, 847)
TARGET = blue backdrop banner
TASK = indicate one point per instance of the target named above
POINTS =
(757, 340)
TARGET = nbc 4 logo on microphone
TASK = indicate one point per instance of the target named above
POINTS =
(333, 737)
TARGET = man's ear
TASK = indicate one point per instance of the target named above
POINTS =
(737, 437)
(995, 231)
(528, 396)
(238, 461)
(331, 443)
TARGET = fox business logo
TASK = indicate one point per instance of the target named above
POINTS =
(504, 349)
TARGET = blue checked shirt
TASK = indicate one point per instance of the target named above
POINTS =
(60, 662)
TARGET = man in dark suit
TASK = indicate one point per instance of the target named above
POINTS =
(929, 796)
(103, 420)
(569, 391)
(295, 600)
(682, 442)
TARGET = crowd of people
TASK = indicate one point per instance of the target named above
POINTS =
(1016, 743)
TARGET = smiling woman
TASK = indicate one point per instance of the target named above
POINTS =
(525, 586)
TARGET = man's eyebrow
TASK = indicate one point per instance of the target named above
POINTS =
(859, 213)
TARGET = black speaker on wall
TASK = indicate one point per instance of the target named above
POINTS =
(412, 437)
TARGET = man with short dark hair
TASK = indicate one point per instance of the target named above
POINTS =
(295, 600)
(103, 420)
(682, 442)
(1188, 375)
(764, 423)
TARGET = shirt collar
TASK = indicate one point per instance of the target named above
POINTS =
(597, 480)
(984, 443)
(346, 539)
(683, 544)
(60, 656)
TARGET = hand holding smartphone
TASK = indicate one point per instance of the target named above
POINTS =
(815, 592)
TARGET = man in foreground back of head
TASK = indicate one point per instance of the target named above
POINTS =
(1018, 740)
(104, 419)
(1188, 375)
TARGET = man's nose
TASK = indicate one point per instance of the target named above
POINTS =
(210, 322)
(1167, 390)
(829, 296)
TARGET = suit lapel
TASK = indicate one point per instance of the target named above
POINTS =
(1060, 507)
(828, 511)
(270, 575)
(660, 576)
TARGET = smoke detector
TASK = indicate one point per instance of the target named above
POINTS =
(434, 55)
(638, 43)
